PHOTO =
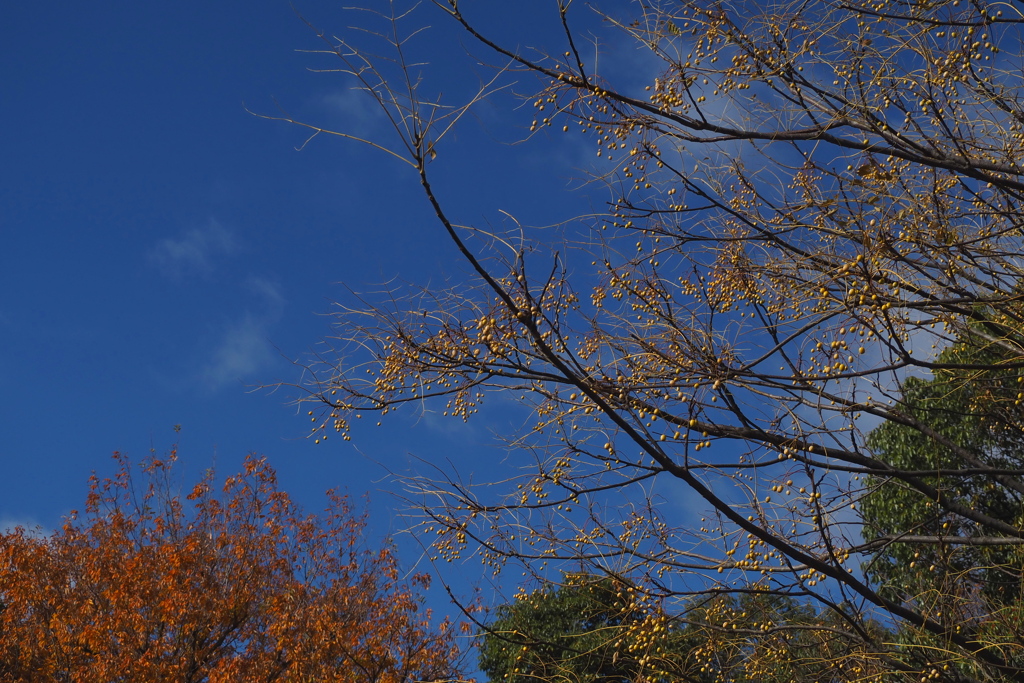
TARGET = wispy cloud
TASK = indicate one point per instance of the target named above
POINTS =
(244, 347)
(358, 111)
(194, 250)
(271, 294)
(31, 526)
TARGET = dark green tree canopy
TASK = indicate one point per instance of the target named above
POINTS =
(600, 630)
(556, 633)
(961, 426)
(963, 430)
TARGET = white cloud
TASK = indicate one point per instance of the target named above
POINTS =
(359, 111)
(194, 250)
(242, 350)
(244, 347)
(31, 526)
(270, 292)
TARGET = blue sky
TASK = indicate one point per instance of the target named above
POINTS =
(164, 251)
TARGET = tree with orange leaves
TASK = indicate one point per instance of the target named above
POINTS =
(235, 587)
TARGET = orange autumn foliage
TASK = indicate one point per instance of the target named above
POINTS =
(238, 587)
